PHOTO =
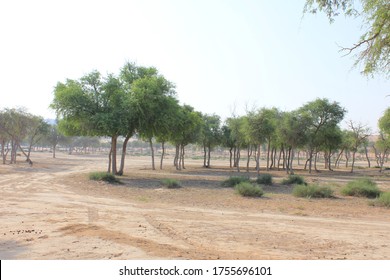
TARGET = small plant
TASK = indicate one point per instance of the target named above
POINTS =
(104, 176)
(294, 180)
(383, 200)
(234, 180)
(264, 179)
(312, 191)
(171, 183)
(248, 189)
(364, 187)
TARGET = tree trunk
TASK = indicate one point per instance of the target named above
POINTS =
(176, 161)
(268, 152)
(315, 161)
(249, 154)
(114, 140)
(152, 150)
(367, 157)
(182, 156)
(231, 157)
(353, 161)
(337, 162)
(238, 159)
(162, 154)
(109, 160)
(3, 151)
(235, 157)
(280, 156)
(123, 157)
(209, 156)
(346, 159)
(204, 155)
(258, 159)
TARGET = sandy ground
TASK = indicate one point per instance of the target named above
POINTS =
(53, 211)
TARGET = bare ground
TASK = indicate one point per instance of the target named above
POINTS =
(53, 211)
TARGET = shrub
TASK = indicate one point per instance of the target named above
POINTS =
(248, 189)
(384, 199)
(171, 183)
(312, 191)
(234, 180)
(264, 179)
(364, 187)
(103, 176)
(294, 180)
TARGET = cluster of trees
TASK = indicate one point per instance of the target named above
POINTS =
(16, 125)
(21, 132)
(141, 101)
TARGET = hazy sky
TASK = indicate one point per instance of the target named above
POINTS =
(221, 54)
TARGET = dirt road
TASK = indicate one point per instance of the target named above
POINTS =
(52, 211)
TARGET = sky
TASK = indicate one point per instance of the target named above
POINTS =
(224, 56)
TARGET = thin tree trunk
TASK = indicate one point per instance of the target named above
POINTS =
(204, 155)
(109, 161)
(268, 152)
(209, 156)
(353, 161)
(280, 156)
(367, 157)
(162, 154)
(123, 157)
(238, 159)
(152, 150)
(231, 157)
(182, 156)
(249, 154)
(258, 159)
(114, 140)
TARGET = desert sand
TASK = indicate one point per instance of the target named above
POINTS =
(53, 211)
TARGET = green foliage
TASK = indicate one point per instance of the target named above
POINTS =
(373, 45)
(249, 190)
(233, 181)
(104, 176)
(171, 183)
(294, 180)
(363, 187)
(312, 191)
(383, 200)
(264, 179)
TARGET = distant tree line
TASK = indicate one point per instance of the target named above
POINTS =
(140, 101)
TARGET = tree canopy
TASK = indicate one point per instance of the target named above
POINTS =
(373, 47)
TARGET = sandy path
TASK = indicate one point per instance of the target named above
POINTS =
(47, 212)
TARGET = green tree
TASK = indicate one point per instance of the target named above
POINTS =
(292, 133)
(154, 98)
(373, 46)
(93, 106)
(14, 124)
(186, 131)
(323, 115)
(37, 129)
(227, 141)
(210, 136)
(383, 143)
(359, 134)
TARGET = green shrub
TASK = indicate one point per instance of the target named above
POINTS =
(234, 180)
(294, 180)
(171, 183)
(364, 187)
(248, 189)
(103, 176)
(383, 200)
(264, 179)
(312, 191)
